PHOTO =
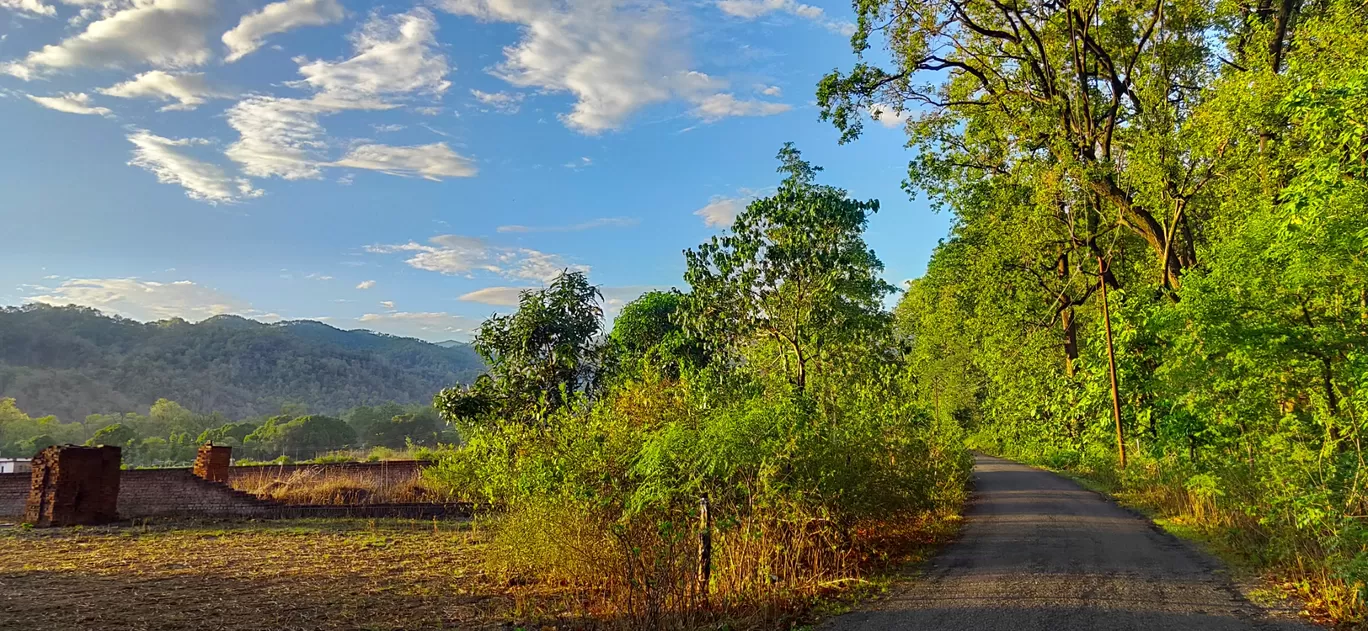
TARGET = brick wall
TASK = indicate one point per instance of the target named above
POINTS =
(167, 492)
(14, 492)
(177, 492)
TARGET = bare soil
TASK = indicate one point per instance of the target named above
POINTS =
(303, 574)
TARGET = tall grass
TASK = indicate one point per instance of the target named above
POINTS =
(327, 486)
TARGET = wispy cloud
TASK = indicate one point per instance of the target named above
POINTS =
(461, 255)
(601, 222)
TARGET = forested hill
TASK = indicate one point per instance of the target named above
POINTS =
(74, 361)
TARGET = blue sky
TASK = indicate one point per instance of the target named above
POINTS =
(407, 166)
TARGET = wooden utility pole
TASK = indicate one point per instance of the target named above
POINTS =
(704, 547)
(1111, 362)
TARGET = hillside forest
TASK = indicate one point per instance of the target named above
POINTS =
(71, 362)
(1156, 279)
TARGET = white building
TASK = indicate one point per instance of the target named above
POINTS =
(15, 465)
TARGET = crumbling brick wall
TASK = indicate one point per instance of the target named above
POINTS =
(211, 462)
(14, 493)
(179, 492)
(72, 485)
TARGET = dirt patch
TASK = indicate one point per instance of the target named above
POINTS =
(335, 574)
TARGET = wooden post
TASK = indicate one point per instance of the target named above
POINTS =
(704, 547)
(1111, 363)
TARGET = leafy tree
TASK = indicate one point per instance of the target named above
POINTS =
(300, 438)
(399, 431)
(648, 336)
(794, 270)
(231, 434)
(540, 357)
(117, 435)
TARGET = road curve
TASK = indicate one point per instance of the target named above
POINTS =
(1040, 553)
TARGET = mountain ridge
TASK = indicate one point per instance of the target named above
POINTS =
(74, 361)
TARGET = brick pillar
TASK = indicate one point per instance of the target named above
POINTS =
(211, 462)
(73, 485)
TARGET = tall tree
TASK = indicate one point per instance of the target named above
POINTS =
(539, 357)
(794, 269)
(1094, 99)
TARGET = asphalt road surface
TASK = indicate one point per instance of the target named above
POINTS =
(1040, 553)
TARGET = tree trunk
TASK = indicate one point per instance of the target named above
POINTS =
(1111, 366)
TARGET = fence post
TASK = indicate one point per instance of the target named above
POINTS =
(704, 547)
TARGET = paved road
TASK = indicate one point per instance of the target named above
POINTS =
(1040, 553)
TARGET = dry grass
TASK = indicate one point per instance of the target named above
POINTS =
(347, 574)
(336, 574)
(350, 487)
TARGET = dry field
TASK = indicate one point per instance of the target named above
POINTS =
(304, 574)
(335, 574)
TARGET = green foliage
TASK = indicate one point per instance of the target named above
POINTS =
(299, 438)
(793, 269)
(648, 337)
(540, 358)
(1210, 168)
(774, 391)
(116, 435)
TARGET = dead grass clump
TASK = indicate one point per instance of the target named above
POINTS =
(560, 559)
(345, 487)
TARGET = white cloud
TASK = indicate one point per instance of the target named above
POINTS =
(144, 300)
(888, 116)
(601, 222)
(388, 304)
(771, 90)
(432, 326)
(614, 57)
(396, 56)
(71, 103)
(204, 181)
(723, 105)
(317, 276)
(279, 137)
(365, 284)
(721, 211)
(752, 9)
(433, 162)
(582, 163)
(614, 298)
(31, 6)
(497, 296)
(189, 90)
(278, 17)
(385, 129)
(501, 102)
(164, 33)
(460, 255)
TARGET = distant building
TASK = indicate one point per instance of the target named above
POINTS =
(15, 465)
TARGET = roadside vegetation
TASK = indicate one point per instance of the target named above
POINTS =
(1156, 275)
(729, 454)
